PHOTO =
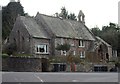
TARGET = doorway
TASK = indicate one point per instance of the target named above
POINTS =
(45, 64)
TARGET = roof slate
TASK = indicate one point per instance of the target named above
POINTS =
(101, 40)
(33, 28)
(59, 27)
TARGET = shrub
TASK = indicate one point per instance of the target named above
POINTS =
(64, 47)
(58, 59)
(5, 55)
(10, 48)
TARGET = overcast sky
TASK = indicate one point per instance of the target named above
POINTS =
(97, 12)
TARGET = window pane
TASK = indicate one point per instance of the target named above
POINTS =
(73, 52)
(81, 43)
(82, 54)
(42, 48)
(37, 49)
(46, 48)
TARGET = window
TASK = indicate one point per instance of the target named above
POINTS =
(28, 39)
(23, 43)
(81, 43)
(8, 40)
(72, 44)
(82, 54)
(18, 38)
(14, 40)
(73, 52)
(63, 53)
(62, 41)
(42, 49)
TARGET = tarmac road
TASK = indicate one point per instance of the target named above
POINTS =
(58, 77)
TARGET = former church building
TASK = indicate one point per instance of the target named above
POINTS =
(40, 35)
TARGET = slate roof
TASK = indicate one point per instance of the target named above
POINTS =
(59, 27)
(67, 28)
(33, 28)
(101, 40)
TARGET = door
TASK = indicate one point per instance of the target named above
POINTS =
(45, 65)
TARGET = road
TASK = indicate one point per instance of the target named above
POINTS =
(58, 77)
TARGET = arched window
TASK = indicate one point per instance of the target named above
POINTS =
(23, 43)
(18, 36)
(14, 40)
(18, 40)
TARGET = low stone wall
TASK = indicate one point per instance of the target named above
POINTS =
(21, 64)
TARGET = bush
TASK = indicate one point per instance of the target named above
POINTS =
(10, 48)
(58, 59)
(65, 59)
(64, 47)
(5, 55)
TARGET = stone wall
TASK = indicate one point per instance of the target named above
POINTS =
(21, 64)
(74, 45)
(20, 37)
(38, 41)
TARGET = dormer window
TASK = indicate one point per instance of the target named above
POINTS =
(81, 43)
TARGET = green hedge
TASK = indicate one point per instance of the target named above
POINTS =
(5, 55)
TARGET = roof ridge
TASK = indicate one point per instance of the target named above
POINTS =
(49, 16)
(58, 17)
(103, 41)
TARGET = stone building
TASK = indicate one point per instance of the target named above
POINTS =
(41, 34)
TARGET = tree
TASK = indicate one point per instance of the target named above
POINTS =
(110, 34)
(118, 48)
(64, 13)
(72, 16)
(9, 15)
(96, 31)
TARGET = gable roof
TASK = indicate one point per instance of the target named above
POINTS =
(33, 28)
(101, 40)
(57, 26)
(66, 28)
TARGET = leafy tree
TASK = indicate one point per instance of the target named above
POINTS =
(72, 16)
(96, 31)
(118, 48)
(111, 34)
(9, 15)
(64, 13)
(111, 26)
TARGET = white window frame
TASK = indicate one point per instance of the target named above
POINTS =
(63, 53)
(62, 41)
(81, 43)
(82, 54)
(44, 46)
(74, 53)
(72, 44)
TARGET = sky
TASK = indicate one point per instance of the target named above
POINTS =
(97, 12)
